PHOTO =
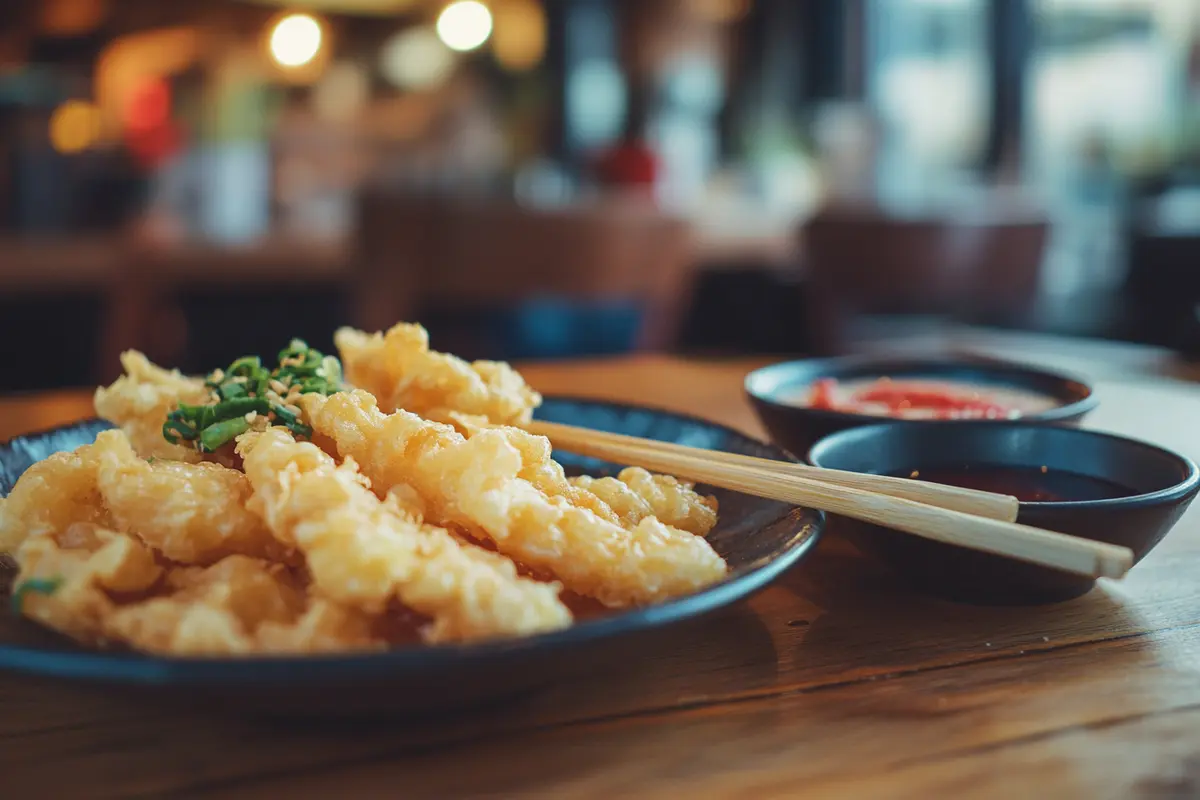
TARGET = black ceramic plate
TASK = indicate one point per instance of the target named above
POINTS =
(758, 538)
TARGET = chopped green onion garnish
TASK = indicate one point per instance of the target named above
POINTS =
(246, 389)
(216, 435)
(38, 585)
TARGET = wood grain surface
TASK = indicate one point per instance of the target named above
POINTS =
(836, 681)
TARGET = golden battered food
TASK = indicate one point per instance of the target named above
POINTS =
(636, 494)
(364, 552)
(476, 483)
(51, 495)
(190, 513)
(324, 627)
(402, 372)
(279, 510)
(140, 400)
(213, 610)
(77, 573)
(627, 499)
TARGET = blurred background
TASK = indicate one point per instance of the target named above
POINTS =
(560, 178)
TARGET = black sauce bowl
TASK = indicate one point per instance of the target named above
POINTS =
(1160, 484)
(796, 428)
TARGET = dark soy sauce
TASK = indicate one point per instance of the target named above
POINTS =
(1029, 485)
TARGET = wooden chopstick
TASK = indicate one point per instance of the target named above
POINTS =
(969, 501)
(1000, 537)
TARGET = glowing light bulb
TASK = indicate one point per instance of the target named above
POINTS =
(75, 126)
(464, 25)
(296, 40)
(519, 38)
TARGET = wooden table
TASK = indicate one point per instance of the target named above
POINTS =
(833, 682)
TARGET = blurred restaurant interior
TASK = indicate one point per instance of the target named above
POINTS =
(539, 179)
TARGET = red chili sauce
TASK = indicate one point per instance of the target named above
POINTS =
(923, 399)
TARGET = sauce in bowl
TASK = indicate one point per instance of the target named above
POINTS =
(1028, 485)
(922, 399)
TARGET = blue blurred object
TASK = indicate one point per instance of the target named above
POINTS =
(546, 328)
(551, 328)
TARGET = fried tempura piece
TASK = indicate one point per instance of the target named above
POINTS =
(191, 513)
(636, 494)
(477, 483)
(325, 626)
(539, 468)
(547, 475)
(139, 401)
(214, 610)
(402, 372)
(628, 499)
(77, 570)
(49, 496)
(362, 551)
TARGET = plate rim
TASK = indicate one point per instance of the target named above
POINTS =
(131, 668)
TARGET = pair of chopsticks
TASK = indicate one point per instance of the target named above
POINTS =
(969, 518)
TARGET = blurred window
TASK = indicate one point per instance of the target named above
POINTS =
(928, 81)
(1106, 95)
(1106, 85)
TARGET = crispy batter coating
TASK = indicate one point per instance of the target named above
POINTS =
(363, 552)
(402, 372)
(214, 610)
(627, 499)
(451, 532)
(547, 475)
(635, 494)
(109, 588)
(139, 401)
(477, 483)
(51, 495)
(191, 513)
(324, 626)
(87, 564)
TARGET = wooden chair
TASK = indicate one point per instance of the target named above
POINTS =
(415, 254)
(863, 261)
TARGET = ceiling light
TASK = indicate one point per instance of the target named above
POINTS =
(464, 25)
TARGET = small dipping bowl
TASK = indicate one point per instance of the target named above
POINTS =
(796, 427)
(1088, 484)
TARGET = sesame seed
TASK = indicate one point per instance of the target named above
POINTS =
(277, 387)
(251, 415)
(218, 375)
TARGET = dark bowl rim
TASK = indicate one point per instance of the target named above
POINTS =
(1166, 495)
(120, 667)
(832, 366)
